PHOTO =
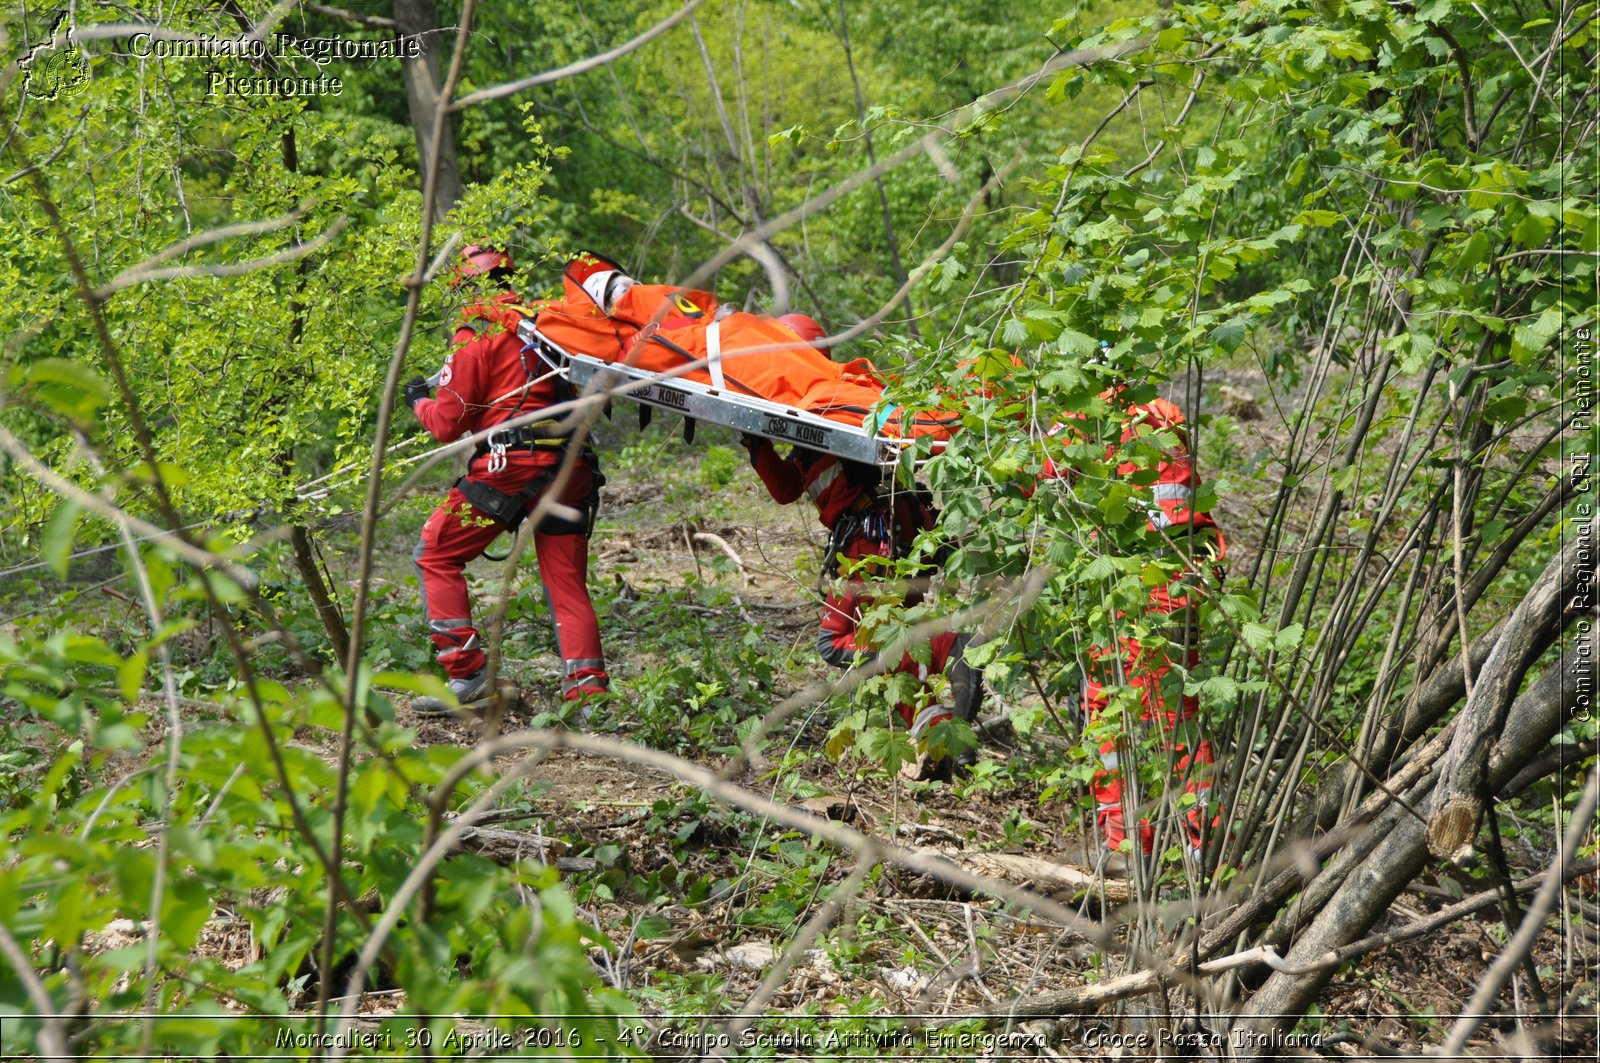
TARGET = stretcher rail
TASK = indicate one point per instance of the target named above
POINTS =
(703, 402)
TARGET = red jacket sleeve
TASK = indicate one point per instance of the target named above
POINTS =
(781, 475)
(836, 635)
(460, 389)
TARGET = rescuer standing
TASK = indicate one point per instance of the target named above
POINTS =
(488, 379)
(1175, 528)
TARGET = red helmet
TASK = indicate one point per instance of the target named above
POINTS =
(477, 260)
(805, 327)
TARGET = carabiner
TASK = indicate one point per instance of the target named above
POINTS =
(497, 454)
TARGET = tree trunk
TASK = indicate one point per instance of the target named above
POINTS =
(305, 563)
(1458, 799)
(1534, 718)
(420, 19)
(872, 159)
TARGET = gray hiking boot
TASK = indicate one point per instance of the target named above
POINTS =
(1118, 864)
(467, 690)
(966, 683)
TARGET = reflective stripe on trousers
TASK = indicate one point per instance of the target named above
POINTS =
(584, 674)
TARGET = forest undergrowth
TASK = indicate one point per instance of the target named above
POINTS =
(1354, 242)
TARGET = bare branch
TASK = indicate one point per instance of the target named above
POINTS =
(1081, 999)
(51, 1037)
(581, 66)
(213, 236)
(889, 235)
(1532, 923)
(824, 917)
(924, 145)
(114, 31)
(129, 278)
(83, 115)
(375, 21)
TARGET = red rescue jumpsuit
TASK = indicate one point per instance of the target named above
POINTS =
(844, 491)
(482, 385)
(1168, 502)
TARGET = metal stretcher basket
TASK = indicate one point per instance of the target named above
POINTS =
(743, 413)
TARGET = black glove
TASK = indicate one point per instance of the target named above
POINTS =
(753, 444)
(416, 390)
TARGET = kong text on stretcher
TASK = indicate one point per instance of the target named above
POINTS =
(743, 413)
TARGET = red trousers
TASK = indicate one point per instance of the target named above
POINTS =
(457, 532)
(1188, 755)
(838, 645)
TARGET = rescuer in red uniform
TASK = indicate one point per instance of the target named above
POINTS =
(1168, 503)
(862, 522)
(488, 379)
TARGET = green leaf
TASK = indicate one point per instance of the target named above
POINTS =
(1257, 636)
(891, 748)
(184, 913)
(56, 541)
(1473, 250)
(1219, 690)
(652, 928)
(1073, 342)
(1229, 335)
(1537, 336)
(1506, 409)
(1533, 230)
(1289, 637)
(70, 387)
(1320, 218)
(130, 675)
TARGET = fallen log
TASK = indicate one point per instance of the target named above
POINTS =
(1045, 877)
(513, 846)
